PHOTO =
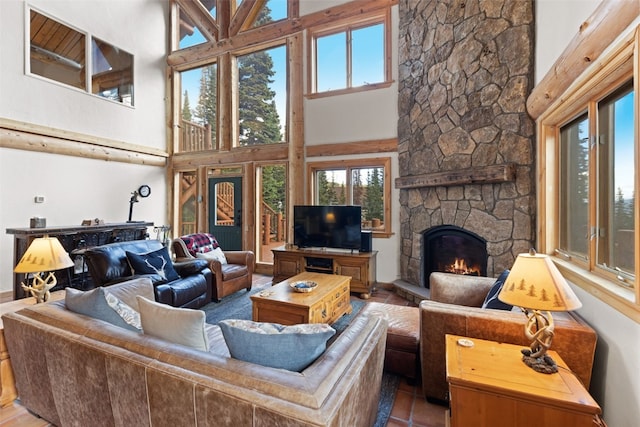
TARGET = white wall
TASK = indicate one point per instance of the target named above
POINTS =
(616, 378)
(76, 188)
(362, 116)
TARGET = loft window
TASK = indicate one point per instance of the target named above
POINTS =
(350, 56)
(58, 52)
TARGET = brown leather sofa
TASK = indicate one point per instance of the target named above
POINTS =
(454, 308)
(228, 278)
(71, 369)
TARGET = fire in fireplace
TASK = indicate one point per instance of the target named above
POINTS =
(452, 249)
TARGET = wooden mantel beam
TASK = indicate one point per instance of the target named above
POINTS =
(606, 23)
(479, 175)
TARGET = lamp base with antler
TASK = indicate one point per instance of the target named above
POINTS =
(40, 287)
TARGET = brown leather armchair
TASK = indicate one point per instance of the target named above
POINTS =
(228, 278)
(454, 308)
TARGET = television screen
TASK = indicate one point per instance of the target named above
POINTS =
(327, 226)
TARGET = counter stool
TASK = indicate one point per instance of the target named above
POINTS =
(402, 354)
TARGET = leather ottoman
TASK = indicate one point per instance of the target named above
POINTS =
(403, 338)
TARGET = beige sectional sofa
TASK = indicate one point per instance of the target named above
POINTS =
(74, 370)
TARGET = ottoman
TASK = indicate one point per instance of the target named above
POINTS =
(403, 338)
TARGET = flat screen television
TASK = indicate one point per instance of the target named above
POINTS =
(327, 226)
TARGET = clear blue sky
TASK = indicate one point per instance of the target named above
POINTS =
(624, 148)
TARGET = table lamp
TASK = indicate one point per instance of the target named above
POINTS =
(536, 285)
(45, 254)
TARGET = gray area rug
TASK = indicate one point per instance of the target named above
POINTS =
(238, 306)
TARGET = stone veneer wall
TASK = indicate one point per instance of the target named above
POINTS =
(466, 69)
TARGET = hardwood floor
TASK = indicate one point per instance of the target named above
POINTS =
(410, 409)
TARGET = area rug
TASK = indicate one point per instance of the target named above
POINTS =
(238, 306)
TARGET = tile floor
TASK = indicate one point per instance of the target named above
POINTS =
(410, 409)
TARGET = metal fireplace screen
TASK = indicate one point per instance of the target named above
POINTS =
(453, 249)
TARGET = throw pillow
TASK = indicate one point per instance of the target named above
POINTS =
(491, 300)
(94, 304)
(270, 344)
(215, 255)
(155, 262)
(127, 313)
(177, 325)
(199, 243)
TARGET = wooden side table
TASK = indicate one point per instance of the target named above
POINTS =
(489, 385)
(8, 392)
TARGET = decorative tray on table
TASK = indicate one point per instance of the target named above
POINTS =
(304, 286)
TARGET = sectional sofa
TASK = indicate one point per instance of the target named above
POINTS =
(72, 369)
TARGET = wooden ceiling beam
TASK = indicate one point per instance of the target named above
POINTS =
(595, 34)
(200, 17)
(246, 12)
(202, 53)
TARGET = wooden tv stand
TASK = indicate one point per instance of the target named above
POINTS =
(360, 266)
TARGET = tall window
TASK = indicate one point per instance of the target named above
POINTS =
(350, 56)
(262, 96)
(616, 189)
(188, 204)
(574, 187)
(199, 108)
(271, 186)
(358, 182)
(597, 187)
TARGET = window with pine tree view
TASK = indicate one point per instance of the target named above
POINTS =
(199, 108)
(262, 96)
(261, 100)
(272, 188)
(604, 161)
(349, 56)
(362, 183)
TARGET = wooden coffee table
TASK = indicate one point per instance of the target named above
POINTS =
(325, 304)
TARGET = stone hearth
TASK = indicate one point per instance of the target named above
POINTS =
(465, 140)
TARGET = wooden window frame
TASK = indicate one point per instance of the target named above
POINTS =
(378, 162)
(347, 25)
(611, 71)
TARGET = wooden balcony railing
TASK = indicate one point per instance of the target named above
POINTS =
(195, 137)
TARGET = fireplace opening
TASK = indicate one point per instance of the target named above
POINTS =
(452, 249)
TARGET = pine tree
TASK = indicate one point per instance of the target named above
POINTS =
(207, 108)
(273, 187)
(374, 200)
(258, 116)
(186, 108)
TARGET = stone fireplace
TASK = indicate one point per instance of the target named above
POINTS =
(465, 141)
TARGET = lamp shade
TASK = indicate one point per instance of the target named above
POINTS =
(535, 283)
(44, 254)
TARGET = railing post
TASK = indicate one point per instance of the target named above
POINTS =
(267, 229)
(207, 137)
(280, 227)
